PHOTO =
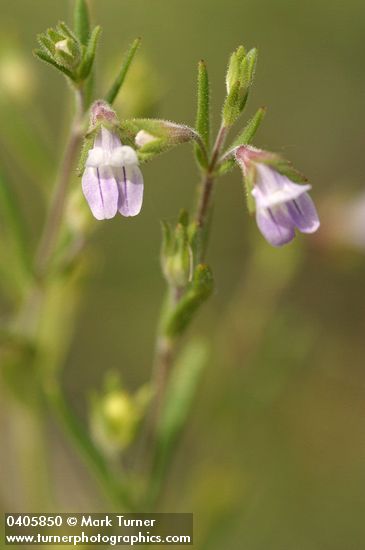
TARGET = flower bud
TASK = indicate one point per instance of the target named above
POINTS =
(62, 49)
(143, 137)
(176, 253)
(154, 136)
(115, 417)
(67, 53)
(102, 113)
(239, 78)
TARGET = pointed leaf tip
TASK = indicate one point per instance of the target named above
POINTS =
(127, 60)
(82, 21)
(203, 112)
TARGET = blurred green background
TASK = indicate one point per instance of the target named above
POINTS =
(274, 453)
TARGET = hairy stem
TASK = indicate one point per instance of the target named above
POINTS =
(208, 180)
(165, 347)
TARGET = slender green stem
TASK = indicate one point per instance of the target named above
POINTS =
(54, 220)
(166, 348)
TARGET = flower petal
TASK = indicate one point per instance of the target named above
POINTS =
(107, 140)
(130, 190)
(275, 225)
(273, 188)
(101, 192)
(304, 214)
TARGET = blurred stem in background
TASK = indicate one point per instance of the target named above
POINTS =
(53, 224)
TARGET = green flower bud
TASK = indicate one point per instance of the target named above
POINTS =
(239, 79)
(67, 53)
(115, 417)
(176, 253)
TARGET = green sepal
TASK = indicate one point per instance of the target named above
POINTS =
(244, 138)
(167, 135)
(184, 217)
(67, 60)
(283, 166)
(195, 295)
(43, 56)
(87, 145)
(65, 29)
(46, 44)
(118, 83)
(249, 183)
(167, 240)
(176, 254)
(89, 55)
(226, 166)
(55, 35)
(81, 21)
(234, 67)
(202, 123)
(163, 129)
(248, 68)
(240, 75)
(231, 107)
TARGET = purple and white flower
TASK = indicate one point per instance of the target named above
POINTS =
(281, 205)
(112, 181)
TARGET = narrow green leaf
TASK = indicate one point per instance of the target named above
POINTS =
(285, 167)
(118, 83)
(89, 55)
(203, 115)
(203, 110)
(62, 27)
(46, 44)
(249, 183)
(14, 223)
(43, 56)
(81, 21)
(181, 392)
(249, 131)
(197, 293)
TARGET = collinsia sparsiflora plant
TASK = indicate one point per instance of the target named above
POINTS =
(112, 182)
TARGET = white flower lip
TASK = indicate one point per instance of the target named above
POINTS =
(287, 193)
(97, 157)
(122, 156)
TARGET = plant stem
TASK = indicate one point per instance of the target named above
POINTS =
(165, 347)
(53, 223)
(51, 388)
(208, 180)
